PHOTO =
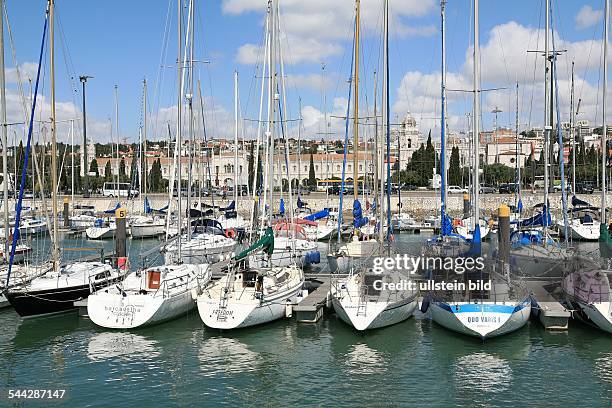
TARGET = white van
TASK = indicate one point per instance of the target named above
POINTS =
(111, 189)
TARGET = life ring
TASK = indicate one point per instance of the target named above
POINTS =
(230, 233)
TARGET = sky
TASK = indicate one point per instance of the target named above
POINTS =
(120, 43)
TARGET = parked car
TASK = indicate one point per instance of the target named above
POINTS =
(409, 187)
(486, 189)
(584, 188)
(456, 190)
(508, 188)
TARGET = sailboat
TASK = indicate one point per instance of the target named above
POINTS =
(247, 296)
(504, 308)
(203, 241)
(587, 287)
(230, 219)
(156, 294)
(249, 293)
(359, 249)
(148, 224)
(366, 300)
(533, 250)
(60, 285)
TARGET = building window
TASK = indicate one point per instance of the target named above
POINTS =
(361, 167)
(338, 167)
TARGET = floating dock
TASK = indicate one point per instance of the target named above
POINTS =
(552, 314)
(311, 308)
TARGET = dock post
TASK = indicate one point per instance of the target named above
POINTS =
(466, 206)
(66, 213)
(120, 238)
(503, 234)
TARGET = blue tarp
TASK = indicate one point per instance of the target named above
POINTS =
(358, 219)
(317, 215)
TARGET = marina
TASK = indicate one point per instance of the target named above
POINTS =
(316, 252)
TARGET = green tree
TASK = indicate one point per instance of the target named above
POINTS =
(93, 167)
(122, 173)
(312, 180)
(155, 177)
(454, 170)
(108, 171)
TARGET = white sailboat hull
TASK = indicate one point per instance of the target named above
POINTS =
(114, 308)
(205, 248)
(377, 315)
(286, 253)
(149, 229)
(100, 232)
(589, 293)
(579, 231)
(483, 320)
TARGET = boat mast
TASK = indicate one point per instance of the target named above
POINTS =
(573, 133)
(273, 95)
(117, 146)
(356, 105)
(604, 128)
(547, 127)
(53, 136)
(179, 104)
(189, 97)
(386, 124)
(476, 123)
(236, 137)
(143, 159)
(517, 155)
(5, 178)
(443, 116)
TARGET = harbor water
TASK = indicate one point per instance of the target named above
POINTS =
(414, 363)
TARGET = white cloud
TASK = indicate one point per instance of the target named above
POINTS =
(311, 81)
(587, 17)
(313, 30)
(504, 61)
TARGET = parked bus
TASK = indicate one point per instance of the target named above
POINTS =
(111, 189)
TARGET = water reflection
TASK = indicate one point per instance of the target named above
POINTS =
(603, 367)
(122, 346)
(482, 373)
(361, 359)
(223, 355)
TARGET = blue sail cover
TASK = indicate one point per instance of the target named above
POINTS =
(282, 207)
(447, 225)
(358, 219)
(112, 211)
(476, 244)
(537, 220)
(318, 215)
(230, 207)
(301, 204)
(147, 206)
(578, 202)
